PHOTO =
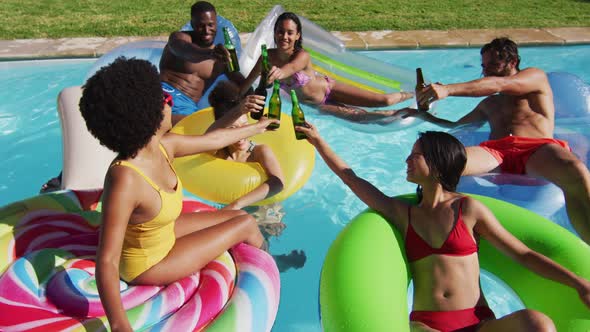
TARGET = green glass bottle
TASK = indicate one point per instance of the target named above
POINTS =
(261, 89)
(297, 115)
(274, 105)
(233, 65)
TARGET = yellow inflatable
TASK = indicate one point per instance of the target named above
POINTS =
(223, 181)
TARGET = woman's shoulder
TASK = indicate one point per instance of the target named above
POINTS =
(302, 54)
(121, 176)
(473, 208)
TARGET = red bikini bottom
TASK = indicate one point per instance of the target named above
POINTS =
(466, 320)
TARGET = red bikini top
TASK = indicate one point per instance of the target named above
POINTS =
(458, 243)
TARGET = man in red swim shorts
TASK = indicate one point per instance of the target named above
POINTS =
(519, 109)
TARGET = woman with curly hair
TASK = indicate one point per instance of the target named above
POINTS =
(144, 237)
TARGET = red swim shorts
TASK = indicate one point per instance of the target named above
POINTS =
(513, 152)
(465, 320)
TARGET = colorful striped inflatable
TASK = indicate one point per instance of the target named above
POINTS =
(47, 248)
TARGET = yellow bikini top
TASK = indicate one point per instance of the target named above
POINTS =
(145, 234)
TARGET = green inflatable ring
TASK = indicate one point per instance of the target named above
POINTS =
(365, 278)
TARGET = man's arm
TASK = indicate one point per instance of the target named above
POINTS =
(476, 116)
(180, 44)
(530, 80)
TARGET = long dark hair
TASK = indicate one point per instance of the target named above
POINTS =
(291, 16)
(446, 157)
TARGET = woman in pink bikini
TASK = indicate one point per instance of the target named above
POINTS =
(441, 240)
(291, 65)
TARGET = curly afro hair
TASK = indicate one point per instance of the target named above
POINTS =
(122, 105)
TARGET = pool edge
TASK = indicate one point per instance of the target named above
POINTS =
(24, 49)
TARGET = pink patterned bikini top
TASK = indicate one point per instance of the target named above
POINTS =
(298, 80)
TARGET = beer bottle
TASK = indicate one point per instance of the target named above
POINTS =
(261, 89)
(297, 115)
(274, 105)
(419, 86)
(233, 65)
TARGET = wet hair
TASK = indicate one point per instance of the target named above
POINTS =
(202, 7)
(445, 156)
(291, 16)
(122, 105)
(506, 49)
(224, 97)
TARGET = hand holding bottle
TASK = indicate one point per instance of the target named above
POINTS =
(433, 92)
(261, 89)
(254, 105)
(233, 64)
(311, 132)
(275, 73)
(422, 105)
(264, 123)
(219, 52)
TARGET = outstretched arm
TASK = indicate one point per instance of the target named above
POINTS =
(300, 61)
(184, 145)
(181, 45)
(490, 228)
(476, 116)
(118, 204)
(264, 155)
(530, 80)
(248, 104)
(391, 208)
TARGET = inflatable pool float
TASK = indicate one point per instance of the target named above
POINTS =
(571, 97)
(48, 246)
(85, 161)
(151, 50)
(365, 275)
(223, 181)
(330, 57)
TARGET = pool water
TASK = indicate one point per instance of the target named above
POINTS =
(30, 142)
(30, 134)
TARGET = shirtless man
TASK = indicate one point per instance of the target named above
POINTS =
(519, 109)
(191, 62)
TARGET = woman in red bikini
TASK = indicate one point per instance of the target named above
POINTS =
(441, 240)
(291, 65)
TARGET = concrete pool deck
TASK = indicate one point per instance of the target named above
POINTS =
(370, 40)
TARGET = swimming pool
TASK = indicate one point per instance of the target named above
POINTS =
(31, 148)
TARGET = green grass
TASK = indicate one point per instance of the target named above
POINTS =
(85, 18)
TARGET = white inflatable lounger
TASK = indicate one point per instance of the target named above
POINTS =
(85, 161)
